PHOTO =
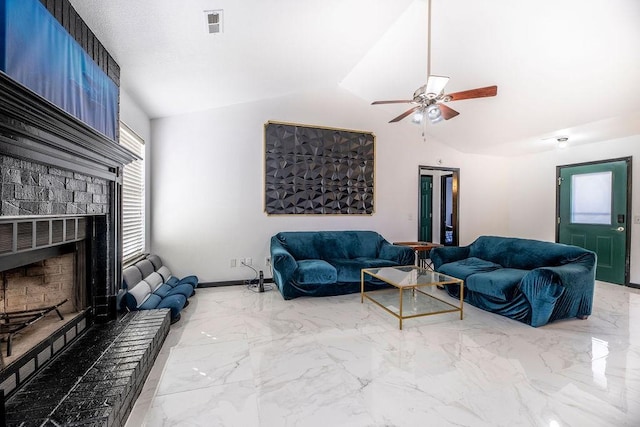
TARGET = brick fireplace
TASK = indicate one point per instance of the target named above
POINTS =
(74, 359)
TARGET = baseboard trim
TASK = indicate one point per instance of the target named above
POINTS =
(228, 283)
(634, 285)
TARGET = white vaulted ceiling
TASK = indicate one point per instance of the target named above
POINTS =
(563, 67)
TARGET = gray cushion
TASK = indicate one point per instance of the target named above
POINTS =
(156, 261)
(131, 276)
(154, 280)
(145, 266)
(140, 292)
(164, 272)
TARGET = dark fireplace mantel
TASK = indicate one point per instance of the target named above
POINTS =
(35, 129)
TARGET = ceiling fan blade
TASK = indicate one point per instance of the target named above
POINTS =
(395, 101)
(447, 112)
(481, 92)
(436, 84)
(405, 114)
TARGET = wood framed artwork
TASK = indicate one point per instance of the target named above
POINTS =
(318, 170)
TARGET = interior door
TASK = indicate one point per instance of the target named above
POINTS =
(594, 211)
(426, 208)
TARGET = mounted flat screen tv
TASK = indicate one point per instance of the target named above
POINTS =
(37, 52)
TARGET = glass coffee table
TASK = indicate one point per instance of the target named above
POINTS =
(412, 295)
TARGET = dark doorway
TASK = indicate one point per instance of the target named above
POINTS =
(443, 192)
(446, 209)
(425, 233)
(593, 210)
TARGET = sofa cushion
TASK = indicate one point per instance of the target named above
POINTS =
(152, 302)
(511, 252)
(154, 280)
(137, 295)
(145, 266)
(174, 302)
(349, 270)
(164, 290)
(359, 244)
(164, 272)
(300, 244)
(131, 276)
(315, 271)
(468, 266)
(374, 263)
(500, 284)
(330, 246)
(156, 261)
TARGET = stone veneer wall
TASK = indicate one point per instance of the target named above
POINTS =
(30, 188)
(41, 284)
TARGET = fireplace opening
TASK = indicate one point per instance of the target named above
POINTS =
(35, 301)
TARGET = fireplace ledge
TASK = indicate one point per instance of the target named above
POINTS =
(97, 379)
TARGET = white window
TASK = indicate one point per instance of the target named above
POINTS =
(591, 195)
(132, 196)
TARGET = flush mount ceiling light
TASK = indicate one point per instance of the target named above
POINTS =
(563, 141)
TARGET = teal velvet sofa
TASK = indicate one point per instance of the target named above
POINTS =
(531, 281)
(324, 263)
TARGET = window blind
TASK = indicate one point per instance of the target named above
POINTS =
(132, 196)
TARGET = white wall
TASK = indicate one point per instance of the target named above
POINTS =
(532, 190)
(207, 182)
(137, 120)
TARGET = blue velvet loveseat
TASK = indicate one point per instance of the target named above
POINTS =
(324, 263)
(531, 281)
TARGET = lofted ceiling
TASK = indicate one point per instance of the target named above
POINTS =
(563, 67)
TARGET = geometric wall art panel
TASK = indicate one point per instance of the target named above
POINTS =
(313, 170)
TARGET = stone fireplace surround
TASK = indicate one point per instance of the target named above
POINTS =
(60, 195)
(58, 173)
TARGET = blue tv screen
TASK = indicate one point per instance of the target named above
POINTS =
(37, 52)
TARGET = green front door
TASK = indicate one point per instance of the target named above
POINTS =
(425, 226)
(592, 206)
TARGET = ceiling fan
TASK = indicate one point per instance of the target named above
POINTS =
(429, 99)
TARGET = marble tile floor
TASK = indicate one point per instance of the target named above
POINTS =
(239, 358)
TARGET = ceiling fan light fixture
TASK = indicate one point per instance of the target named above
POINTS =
(434, 114)
(418, 117)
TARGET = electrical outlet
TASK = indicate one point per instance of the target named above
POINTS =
(248, 261)
(267, 261)
(233, 263)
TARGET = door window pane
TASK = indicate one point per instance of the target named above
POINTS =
(591, 198)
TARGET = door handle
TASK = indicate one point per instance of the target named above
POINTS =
(620, 229)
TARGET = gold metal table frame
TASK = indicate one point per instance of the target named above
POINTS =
(408, 280)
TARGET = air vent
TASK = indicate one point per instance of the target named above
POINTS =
(214, 21)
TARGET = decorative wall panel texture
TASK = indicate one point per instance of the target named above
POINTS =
(311, 170)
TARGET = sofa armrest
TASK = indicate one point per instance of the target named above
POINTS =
(282, 262)
(403, 255)
(542, 288)
(562, 291)
(578, 278)
(446, 254)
